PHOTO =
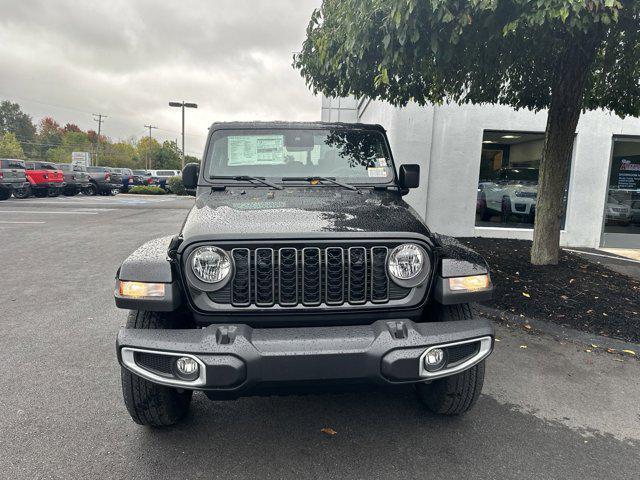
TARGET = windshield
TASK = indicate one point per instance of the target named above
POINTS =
(96, 169)
(354, 156)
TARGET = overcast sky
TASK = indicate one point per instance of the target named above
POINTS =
(128, 58)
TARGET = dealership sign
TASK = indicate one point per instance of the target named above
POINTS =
(81, 158)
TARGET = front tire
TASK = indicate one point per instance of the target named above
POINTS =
(5, 194)
(149, 403)
(24, 192)
(41, 192)
(453, 395)
(458, 393)
(91, 190)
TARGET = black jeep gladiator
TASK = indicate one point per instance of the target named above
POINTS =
(300, 268)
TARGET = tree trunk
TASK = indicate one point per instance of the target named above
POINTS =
(564, 112)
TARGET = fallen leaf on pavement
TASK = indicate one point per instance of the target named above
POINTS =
(630, 352)
(593, 345)
(523, 346)
(588, 350)
(611, 350)
(527, 326)
(526, 294)
(329, 431)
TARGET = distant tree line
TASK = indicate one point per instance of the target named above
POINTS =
(48, 140)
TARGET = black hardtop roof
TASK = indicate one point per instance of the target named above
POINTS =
(293, 125)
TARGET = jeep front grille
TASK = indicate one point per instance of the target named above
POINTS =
(310, 276)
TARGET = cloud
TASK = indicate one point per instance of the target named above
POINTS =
(128, 59)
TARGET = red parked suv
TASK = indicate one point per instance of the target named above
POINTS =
(45, 178)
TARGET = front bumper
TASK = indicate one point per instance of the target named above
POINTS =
(240, 360)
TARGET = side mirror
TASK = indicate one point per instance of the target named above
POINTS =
(409, 176)
(190, 176)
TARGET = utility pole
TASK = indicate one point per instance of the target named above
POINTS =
(183, 105)
(98, 117)
(149, 147)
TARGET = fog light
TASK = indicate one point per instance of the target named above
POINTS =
(187, 368)
(434, 359)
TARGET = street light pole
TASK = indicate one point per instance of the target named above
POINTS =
(183, 105)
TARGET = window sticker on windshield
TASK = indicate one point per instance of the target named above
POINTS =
(377, 171)
(255, 149)
(382, 162)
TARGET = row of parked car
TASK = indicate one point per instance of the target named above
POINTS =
(41, 179)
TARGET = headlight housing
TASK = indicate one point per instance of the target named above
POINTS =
(408, 265)
(210, 264)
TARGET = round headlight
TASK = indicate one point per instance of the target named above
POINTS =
(210, 264)
(407, 262)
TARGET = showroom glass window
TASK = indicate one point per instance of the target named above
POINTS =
(622, 207)
(508, 181)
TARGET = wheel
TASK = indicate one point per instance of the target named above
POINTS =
(149, 403)
(54, 192)
(505, 211)
(458, 393)
(113, 192)
(41, 192)
(5, 194)
(91, 190)
(22, 192)
(485, 214)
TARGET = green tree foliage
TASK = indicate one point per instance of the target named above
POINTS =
(120, 154)
(10, 146)
(14, 120)
(49, 136)
(70, 141)
(147, 150)
(560, 55)
(168, 157)
(191, 159)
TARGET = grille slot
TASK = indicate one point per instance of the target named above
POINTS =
(288, 264)
(357, 275)
(265, 278)
(379, 279)
(334, 275)
(309, 276)
(241, 292)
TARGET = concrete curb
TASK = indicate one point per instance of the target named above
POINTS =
(564, 333)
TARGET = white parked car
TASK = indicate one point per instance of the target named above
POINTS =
(513, 192)
(617, 212)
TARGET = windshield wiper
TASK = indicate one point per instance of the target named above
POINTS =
(247, 178)
(323, 179)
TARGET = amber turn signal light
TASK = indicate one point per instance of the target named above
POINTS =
(469, 284)
(140, 289)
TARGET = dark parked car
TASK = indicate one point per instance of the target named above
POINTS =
(142, 177)
(76, 178)
(103, 180)
(127, 178)
(300, 268)
(12, 177)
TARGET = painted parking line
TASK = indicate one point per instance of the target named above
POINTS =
(51, 212)
(6, 221)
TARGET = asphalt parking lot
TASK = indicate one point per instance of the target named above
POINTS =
(549, 409)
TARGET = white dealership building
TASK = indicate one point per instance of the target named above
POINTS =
(479, 166)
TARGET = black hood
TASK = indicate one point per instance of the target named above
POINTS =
(298, 212)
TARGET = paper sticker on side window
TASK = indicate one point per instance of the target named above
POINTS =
(377, 171)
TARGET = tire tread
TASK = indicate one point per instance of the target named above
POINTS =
(149, 403)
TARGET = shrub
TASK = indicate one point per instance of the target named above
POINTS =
(147, 190)
(175, 185)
